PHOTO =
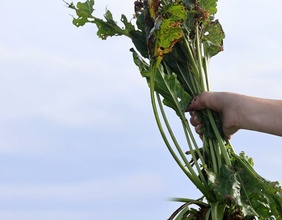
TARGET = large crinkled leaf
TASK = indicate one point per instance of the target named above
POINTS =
(264, 196)
(225, 184)
(227, 188)
(241, 186)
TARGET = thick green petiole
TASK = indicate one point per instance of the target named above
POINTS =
(187, 168)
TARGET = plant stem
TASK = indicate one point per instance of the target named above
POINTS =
(199, 59)
(217, 210)
(192, 201)
(213, 156)
(192, 174)
(188, 170)
(219, 138)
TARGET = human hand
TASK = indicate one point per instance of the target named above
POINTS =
(226, 104)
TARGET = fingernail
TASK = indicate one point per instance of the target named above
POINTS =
(190, 107)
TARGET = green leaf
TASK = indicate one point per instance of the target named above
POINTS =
(213, 39)
(138, 37)
(106, 27)
(80, 21)
(139, 40)
(190, 23)
(227, 188)
(127, 25)
(86, 8)
(242, 188)
(189, 3)
(83, 11)
(209, 6)
(167, 85)
(264, 196)
(247, 159)
(225, 184)
(144, 67)
(172, 91)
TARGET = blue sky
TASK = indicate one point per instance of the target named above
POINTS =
(77, 135)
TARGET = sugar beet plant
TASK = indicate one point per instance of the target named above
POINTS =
(173, 42)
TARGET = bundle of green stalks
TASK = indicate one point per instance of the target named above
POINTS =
(174, 41)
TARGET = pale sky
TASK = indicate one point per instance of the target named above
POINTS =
(78, 140)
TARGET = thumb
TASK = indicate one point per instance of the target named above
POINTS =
(198, 103)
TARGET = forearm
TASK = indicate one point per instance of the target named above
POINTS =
(264, 115)
(241, 112)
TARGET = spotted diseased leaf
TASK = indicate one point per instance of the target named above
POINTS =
(167, 30)
(168, 35)
(213, 39)
(209, 6)
(153, 7)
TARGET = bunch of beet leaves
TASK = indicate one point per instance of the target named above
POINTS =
(174, 41)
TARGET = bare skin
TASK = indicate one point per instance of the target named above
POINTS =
(239, 112)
